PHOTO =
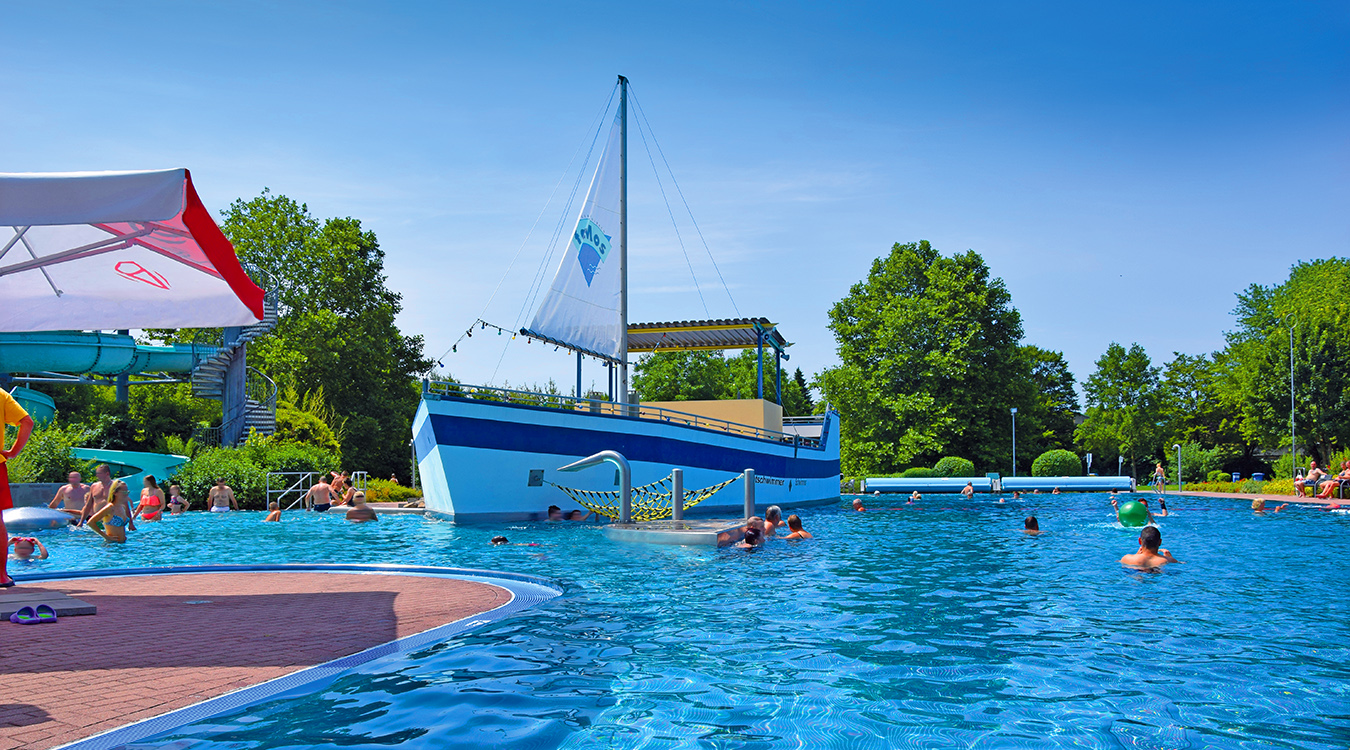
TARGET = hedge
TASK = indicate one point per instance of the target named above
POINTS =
(952, 466)
(46, 458)
(919, 472)
(245, 469)
(385, 491)
(1057, 463)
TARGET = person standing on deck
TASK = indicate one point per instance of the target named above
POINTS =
(10, 414)
(1159, 478)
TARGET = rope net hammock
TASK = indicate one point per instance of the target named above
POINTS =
(651, 502)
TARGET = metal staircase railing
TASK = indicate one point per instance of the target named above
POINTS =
(213, 360)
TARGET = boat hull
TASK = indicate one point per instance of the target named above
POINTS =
(476, 459)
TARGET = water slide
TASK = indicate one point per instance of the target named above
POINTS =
(93, 352)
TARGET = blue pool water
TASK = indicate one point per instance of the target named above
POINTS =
(936, 625)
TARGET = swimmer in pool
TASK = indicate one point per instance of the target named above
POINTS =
(97, 496)
(1149, 554)
(968, 490)
(1259, 506)
(1031, 526)
(177, 503)
(794, 524)
(273, 512)
(914, 496)
(773, 521)
(151, 507)
(71, 495)
(319, 498)
(858, 504)
(361, 512)
(501, 541)
(24, 547)
(114, 519)
(221, 498)
(753, 538)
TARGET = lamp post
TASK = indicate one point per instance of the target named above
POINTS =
(1013, 411)
(1177, 446)
(1293, 444)
(1120, 462)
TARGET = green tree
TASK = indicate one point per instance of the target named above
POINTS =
(682, 376)
(1045, 420)
(1124, 406)
(337, 330)
(929, 362)
(1315, 302)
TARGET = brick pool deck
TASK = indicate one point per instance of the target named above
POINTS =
(161, 642)
(1270, 499)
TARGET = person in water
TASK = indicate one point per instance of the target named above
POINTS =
(177, 503)
(71, 495)
(97, 496)
(24, 546)
(968, 490)
(794, 524)
(221, 498)
(1150, 555)
(1031, 526)
(319, 498)
(773, 521)
(753, 538)
(273, 512)
(151, 506)
(1259, 506)
(361, 512)
(858, 504)
(913, 496)
(115, 518)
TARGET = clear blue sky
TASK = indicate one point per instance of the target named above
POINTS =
(1125, 167)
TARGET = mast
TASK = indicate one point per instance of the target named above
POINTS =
(623, 241)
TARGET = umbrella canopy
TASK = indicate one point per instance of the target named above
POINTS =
(111, 250)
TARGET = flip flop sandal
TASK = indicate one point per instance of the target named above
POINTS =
(25, 616)
(45, 613)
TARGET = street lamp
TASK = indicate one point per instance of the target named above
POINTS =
(1013, 411)
(1178, 449)
(1293, 444)
(1120, 462)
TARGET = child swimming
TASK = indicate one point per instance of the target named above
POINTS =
(24, 547)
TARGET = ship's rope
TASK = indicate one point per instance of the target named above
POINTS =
(651, 502)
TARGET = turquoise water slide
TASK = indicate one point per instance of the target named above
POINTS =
(91, 352)
(132, 466)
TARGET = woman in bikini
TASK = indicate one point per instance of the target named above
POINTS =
(114, 519)
(151, 507)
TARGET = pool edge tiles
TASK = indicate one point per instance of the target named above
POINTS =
(524, 591)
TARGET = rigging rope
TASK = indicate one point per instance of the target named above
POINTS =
(638, 106)
(649, 503)
(678, 237)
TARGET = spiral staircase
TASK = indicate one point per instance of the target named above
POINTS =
(259, 405)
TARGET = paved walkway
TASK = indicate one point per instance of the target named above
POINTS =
(1275, 499)
(163, 642)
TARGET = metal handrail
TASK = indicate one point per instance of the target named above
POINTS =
(595, 406)
(808, 419)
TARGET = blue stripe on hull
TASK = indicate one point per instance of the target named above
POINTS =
(575, 441)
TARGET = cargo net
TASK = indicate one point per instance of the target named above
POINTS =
(651, 502)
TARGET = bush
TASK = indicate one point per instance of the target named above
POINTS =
(951, 466)
(295, 426)
(1219, 475)
(46, 458)
(918, 472)
(245, 469)
(385, 491)
(1057, 463)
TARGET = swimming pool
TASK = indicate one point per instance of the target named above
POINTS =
(935, 625)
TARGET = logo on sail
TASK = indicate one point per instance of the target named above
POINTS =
(592, 247)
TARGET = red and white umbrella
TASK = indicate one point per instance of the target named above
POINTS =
(110, 250)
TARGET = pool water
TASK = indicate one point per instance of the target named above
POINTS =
(934, 625)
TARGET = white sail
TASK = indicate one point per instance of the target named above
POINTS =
(583, 308)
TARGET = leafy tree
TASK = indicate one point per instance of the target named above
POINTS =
(682, 376)
(1124, 399)
(337, 328)
(1057, 463)
(1055, 399)
(929, 362)
(1315, 301)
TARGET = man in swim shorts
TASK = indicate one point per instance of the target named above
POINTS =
(221, 498)
(71, 495)
(320, 497)
(1149, 554)
(10, 414)
(968, 490)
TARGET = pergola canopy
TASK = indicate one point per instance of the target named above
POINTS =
(114, 250)
(704, 335)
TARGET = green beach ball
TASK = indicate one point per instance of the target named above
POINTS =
(1133, 513)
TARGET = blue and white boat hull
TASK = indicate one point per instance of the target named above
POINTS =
(476, 457)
